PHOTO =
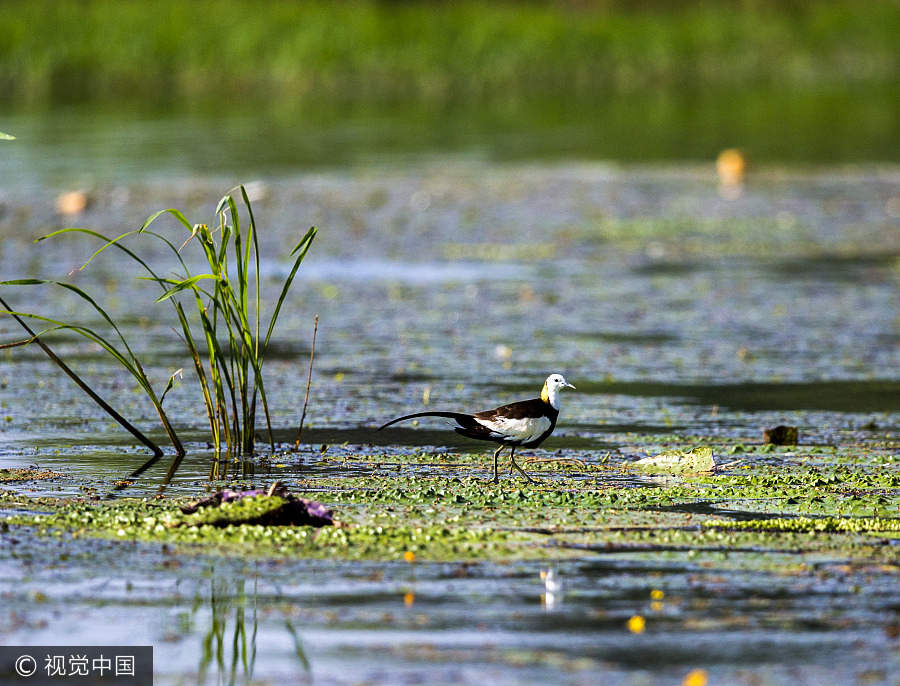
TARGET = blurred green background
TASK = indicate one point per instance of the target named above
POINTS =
(323, 83)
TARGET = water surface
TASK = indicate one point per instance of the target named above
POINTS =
(683, 314)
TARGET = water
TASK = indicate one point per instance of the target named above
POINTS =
(90, 143)
(660, 298)
(342, 623)
(678, 310)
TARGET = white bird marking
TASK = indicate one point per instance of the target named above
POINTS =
(524, 430)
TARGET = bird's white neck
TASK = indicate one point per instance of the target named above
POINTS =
(550, 395)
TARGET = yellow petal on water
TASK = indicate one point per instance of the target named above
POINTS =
(409, 556)
(637, 624)
(72, 202)
(657, 594)
(409, 598)
(656, 605)
(696, 677)
(731, 166)
(339, 376)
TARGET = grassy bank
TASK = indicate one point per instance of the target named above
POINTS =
(66, 50)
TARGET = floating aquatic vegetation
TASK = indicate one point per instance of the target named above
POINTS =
(272, 507)
(691, 461)
(807, 524)
(29, 474)
(745, 514)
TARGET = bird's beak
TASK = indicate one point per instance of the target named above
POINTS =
(568, 385)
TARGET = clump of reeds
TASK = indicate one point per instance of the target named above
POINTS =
(228, 303)
(227, 340)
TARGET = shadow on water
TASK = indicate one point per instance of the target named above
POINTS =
(95, 464)
(632, 337)
(356, 436)
(833, 267)
(422, 437)
(711, 508)
(667, 268)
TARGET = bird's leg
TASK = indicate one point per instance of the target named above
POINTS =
(512, 463)
(496, 478)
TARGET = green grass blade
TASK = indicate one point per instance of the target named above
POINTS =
(217, 356)
(105, 406)
(115, 242)
(300, 251)
(129, 361)
(91, 335)
(185, 285)
(172, 211)
(170, 385)
(109, 242)
(201, 378)
(23, 282)
(223, 202)
(82, 294)
(255, 239)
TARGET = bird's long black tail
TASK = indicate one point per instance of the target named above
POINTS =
(461, 419)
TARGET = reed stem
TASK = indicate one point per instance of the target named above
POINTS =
(312, 354)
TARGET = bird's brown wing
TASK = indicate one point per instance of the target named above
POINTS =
(519, 410)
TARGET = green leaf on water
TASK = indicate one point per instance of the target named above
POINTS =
(6, 137)
(692, 461)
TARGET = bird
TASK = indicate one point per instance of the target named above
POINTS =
(525, 423)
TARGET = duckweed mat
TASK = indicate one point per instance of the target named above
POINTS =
(797, 504)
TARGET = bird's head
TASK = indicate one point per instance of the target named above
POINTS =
(552, 386)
